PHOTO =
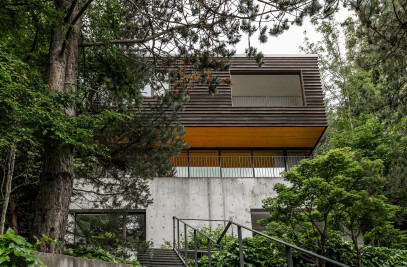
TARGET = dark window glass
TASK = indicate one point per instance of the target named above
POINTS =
(91, 225)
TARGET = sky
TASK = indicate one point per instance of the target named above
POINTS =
(290, 41)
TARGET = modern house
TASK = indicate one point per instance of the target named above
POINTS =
(240, 139)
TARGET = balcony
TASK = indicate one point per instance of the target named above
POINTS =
(267, 101)
(233, 166)
(264, 89)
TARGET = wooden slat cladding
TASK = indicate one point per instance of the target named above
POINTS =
(204, 110)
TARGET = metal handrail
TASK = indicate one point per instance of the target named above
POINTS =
(288, 246)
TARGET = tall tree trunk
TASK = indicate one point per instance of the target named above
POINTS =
(14, 221)
(56, 180)
(9, 179)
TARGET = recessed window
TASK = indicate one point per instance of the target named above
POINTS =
(256, 216)
(91, 224)
(266, 90)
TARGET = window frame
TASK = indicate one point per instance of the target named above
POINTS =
(75, 212)
(272, 72)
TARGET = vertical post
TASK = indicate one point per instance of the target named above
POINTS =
(254, 174)
(196, 249)
(178, 233)
(185, 245)
(220, 164)
(173, 232)
(224, 226)
(289, 254)
(285, 160)
(239, 236)
(209, 253)
(189, 175)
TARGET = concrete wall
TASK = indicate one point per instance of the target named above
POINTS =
(205, 198)
(57, 260)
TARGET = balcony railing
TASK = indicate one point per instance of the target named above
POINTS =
(233, 166)
(267, 101)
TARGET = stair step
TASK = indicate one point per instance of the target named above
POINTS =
(159, 257)
(165, 258)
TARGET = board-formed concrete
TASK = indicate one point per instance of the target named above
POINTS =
(203, 198)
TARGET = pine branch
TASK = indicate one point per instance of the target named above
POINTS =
(151, 37)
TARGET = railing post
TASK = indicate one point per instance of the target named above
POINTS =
(254, 173)
(173, 232)
(186, 244)
(285, 160)
(196, 249)
(239, 236)
(289, 254)
(178, 233)
(209, 253)
(220, 164)
(189, 175)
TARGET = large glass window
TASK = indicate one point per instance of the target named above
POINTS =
(204, 163)
(236, 163)
(266, 90)
(91, 224)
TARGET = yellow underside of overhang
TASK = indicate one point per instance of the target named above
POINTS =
(264, 137)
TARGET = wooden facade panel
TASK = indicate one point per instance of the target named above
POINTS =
(253, 137)
(204, 110)
(217, 110)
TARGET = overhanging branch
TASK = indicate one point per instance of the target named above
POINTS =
(74, 21)
(151, 37)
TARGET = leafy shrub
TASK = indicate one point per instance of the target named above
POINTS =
(98, 254)
(259, 251)
(16, 251)
(202, 241)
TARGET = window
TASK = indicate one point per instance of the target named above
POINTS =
(267, 89)
(256, 215)
(156, 87)
(236, 162)
(88, 224)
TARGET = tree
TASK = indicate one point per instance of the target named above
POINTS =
(20, 114)
(358, 89)
(168, 32)
(328, 197)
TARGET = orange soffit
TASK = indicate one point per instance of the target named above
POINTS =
(253, 136)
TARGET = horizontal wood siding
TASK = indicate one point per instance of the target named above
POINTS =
(204, 110)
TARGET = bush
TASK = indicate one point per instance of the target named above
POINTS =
(202, 241)
(16, 251)
(259, 251)
(98, 254)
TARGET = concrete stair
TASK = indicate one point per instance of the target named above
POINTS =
(159, 257)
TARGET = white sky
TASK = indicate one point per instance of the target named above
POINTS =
(290, 41)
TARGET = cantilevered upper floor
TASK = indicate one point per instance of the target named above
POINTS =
(277, 106)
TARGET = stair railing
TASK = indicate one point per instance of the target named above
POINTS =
(176, 242)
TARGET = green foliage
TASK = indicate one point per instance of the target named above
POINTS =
(98, 254)
(202, 241)
(105, 231)
(364, 91)
(328, 197)
(16, 251)
(259, 251)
